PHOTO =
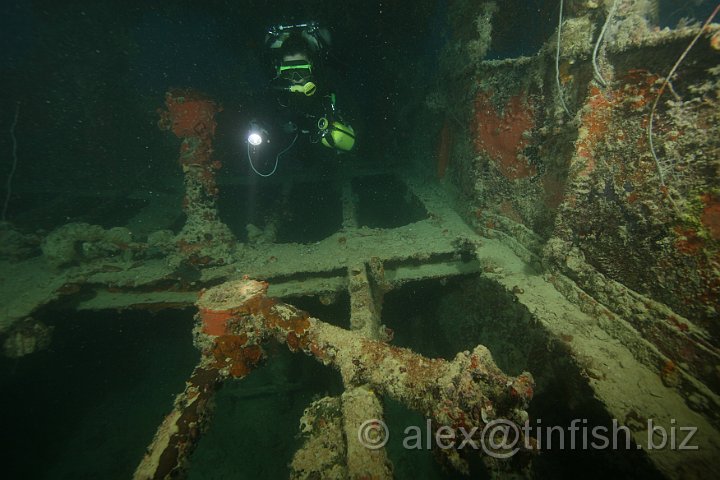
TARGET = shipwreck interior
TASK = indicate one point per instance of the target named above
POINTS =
(525, 239)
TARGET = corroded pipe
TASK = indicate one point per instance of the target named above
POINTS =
(465, 394)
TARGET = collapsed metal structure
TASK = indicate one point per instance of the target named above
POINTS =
(236, 318)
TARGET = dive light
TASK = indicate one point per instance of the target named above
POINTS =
(257, 134)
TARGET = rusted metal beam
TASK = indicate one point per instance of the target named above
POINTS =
(168, 454)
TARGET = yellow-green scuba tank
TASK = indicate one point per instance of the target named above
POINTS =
(336, 135)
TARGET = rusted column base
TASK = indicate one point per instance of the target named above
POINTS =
(190, 115)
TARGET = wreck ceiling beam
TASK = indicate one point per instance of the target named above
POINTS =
(302, 284)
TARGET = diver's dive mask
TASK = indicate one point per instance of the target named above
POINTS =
(296, 71)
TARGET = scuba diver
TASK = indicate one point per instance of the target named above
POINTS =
(303, 104)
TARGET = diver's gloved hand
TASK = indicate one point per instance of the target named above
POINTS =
(290, 127)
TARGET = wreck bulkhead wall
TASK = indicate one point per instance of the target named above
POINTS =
(578, 190)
